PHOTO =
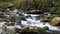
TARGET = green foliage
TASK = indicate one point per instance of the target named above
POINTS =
(33, 4)
(42, 5)
(53, 16)
(3, 6)
(17, 3)
(12, 17)
(6, 0)
(52, 6)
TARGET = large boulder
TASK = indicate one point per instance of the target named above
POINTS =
(55, 21)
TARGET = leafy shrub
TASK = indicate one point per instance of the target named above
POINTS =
(12, 17)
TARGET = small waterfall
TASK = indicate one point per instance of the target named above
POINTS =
(33, 17)
(38, 23)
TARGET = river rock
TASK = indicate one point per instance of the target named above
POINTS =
(33, 29)
(46, 18)
(23, 18)
(18, 26)
(35, 12)
(9, 30)
(55, 21)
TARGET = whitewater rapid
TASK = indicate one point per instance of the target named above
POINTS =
(33, 22)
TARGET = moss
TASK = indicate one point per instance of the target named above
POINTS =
(33, 29)
(54, 15)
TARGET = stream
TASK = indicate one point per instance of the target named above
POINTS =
(32, 20)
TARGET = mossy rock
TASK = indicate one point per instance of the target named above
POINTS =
(33, 29)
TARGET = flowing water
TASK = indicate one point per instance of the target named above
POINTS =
(32, 20)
